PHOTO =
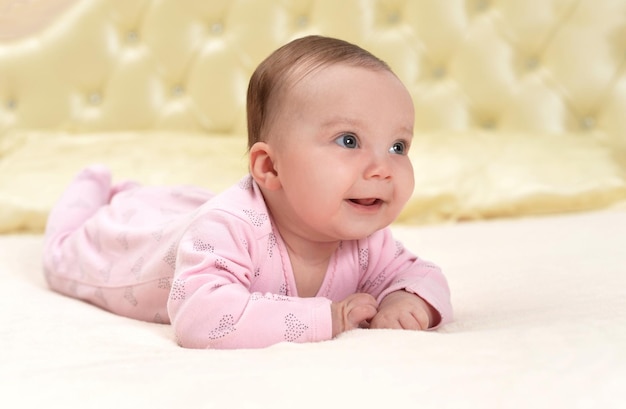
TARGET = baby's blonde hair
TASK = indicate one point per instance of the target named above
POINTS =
(301, 56)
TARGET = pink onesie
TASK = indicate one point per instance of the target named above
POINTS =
(213, 266)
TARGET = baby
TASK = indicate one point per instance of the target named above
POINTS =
(299, 250)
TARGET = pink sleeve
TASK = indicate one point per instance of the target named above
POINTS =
(212, 304)
(392, 267)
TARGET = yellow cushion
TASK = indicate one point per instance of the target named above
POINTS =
(38, 166)
(478, 175)
(458, 176)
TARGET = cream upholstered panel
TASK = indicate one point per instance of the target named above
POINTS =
(524, 65)
(519, 103)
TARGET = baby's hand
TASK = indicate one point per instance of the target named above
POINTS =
(404, 310)
(352, 312)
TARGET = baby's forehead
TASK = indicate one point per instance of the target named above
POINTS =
(312, 67)
(314, 73)
(341, 92)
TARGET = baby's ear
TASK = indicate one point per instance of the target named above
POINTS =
(262, 166)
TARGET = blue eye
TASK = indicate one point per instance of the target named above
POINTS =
(399, 148)
(347, 141)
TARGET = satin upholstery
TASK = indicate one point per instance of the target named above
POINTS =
(525, 76)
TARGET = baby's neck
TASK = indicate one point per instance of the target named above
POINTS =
(309, 263)
(309, 251)
(309, 270)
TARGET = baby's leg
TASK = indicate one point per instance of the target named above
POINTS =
(78, 260)
(88, 192)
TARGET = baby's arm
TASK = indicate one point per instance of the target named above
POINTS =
(412, 293)
(213, 303)
(216, 302)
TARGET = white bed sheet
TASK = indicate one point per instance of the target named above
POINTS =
(540, 323)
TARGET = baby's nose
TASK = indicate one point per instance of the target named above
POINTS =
(378, 166)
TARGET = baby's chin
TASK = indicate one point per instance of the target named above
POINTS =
(361, 231)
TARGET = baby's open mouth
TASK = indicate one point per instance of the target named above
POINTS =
(366, 202)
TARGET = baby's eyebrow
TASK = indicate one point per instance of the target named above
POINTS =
(407, 129)
(339, 120)
(357, 124)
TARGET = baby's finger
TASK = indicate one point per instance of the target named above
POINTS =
(422, 318)
(384, 322)
(410, 322)
(363, 299)
(360, 313)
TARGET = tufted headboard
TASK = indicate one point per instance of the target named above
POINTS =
(520, 104)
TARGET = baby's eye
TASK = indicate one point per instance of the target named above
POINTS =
(399, 148)
(347, 141)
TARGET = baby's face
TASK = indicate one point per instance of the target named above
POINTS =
(341, 140)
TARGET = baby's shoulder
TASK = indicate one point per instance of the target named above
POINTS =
(241, 204)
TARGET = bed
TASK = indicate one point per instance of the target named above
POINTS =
(520, 197)
(540, 322)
